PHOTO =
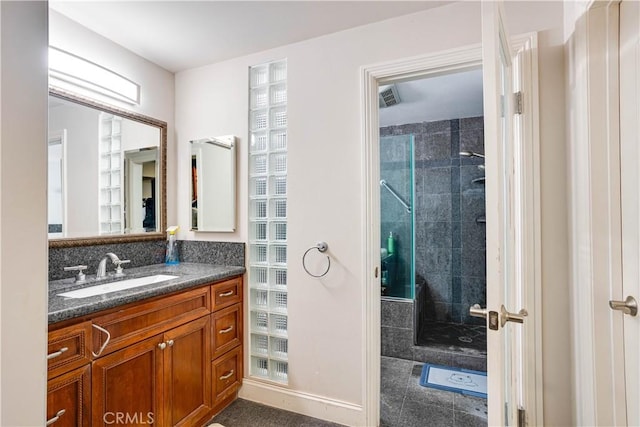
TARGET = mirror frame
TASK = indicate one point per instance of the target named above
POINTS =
(121, 238)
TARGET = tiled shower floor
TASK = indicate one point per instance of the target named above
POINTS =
(454, 337)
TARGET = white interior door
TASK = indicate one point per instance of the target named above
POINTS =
(504, 287)
(630, 196)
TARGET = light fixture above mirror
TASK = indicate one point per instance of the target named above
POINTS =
(70, 72)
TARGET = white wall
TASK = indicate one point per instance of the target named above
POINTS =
(325, 199)
(156, 84)
(23, 209)
(556, 325)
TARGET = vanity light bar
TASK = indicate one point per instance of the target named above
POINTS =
(73, 73)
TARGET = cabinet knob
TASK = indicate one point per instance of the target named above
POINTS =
(170, 342)
(162, 346)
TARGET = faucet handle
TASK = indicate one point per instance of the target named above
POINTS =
(80, 278)
(118, 263)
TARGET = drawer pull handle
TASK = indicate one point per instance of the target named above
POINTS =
(226, 294)
(105, 342)
(229, 375)
(57, 417)
(57, 353)
(226, 331)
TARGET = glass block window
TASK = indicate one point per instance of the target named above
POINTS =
(268, 221)
(110, 181)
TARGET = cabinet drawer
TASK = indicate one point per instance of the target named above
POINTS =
(141, 321)
(68, 348)
(68, 399)
(227, 329)
(227, 374)
(226, 293)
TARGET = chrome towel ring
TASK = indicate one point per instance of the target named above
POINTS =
(322, 248)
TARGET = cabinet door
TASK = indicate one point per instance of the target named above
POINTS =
(187, 373)
(127, 385)
(68, 399)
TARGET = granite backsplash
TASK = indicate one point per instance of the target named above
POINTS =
(144, 253)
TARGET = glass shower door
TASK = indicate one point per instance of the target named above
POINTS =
(397, 216)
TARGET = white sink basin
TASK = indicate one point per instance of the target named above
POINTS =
(117, 286)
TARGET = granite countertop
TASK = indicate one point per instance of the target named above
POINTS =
(191, 275)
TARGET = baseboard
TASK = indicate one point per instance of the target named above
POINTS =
(311, 405)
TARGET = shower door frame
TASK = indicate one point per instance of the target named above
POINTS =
(528, 201)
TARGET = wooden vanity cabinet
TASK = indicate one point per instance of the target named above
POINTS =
(165, 379)
(156, 368)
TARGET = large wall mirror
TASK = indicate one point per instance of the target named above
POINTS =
(213, 184)
(107, 173)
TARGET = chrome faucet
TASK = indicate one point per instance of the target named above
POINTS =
(101, 273)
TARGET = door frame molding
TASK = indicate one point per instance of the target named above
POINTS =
(371, 77)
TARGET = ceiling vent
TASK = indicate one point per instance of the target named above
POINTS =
(388, 96)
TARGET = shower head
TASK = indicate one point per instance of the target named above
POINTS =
(471, 154)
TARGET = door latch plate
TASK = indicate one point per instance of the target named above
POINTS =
(494, 323)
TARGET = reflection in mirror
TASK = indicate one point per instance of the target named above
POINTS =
(140, 189)
(105, 171)
(213, 184)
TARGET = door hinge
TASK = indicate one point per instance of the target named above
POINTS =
(518, 102)
(522, 417)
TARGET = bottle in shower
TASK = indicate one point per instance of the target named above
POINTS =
(391, 245)
(171, 256)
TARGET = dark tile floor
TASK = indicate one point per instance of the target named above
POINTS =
(405, 403)
(243, 413)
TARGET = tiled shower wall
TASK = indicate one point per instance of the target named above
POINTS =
(449, 241)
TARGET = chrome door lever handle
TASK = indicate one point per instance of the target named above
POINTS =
(505, 316)
(476, 311)
(628, 306)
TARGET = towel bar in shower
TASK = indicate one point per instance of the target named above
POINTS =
(383, 183)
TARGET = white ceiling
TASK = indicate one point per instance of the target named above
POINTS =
(179, 35)
(445, 97)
